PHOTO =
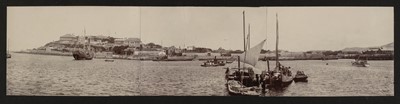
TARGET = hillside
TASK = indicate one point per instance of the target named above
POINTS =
(389, 46)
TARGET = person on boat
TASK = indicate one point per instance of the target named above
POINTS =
(227, 70)
(257, 82)
(227, 73)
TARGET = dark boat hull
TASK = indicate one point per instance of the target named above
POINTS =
(236, 89)
(83, 55)
(206, 64)
(360, 65)
(108, 60)
(284, 82)
(300, 79)
(209, 65)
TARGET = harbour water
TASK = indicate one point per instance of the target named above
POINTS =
(44, 75)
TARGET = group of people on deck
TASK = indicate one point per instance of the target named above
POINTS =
(246, 76)
(249, 78)
(284, 70)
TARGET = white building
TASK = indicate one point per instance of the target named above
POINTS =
(133, 42)
(68, 37)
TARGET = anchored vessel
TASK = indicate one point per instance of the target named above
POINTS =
(300, 77)
(84, 54)
(213, 63)
(109, 58)
(243, 80)
(360, 62)
(281, 76)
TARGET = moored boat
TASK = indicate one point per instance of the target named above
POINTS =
(236, 88)
(209, 64)
(83, 55)
(109, 60)
(360, 63)
(281, 76)
(300, 77)
(213, 63)
(228, 62)
(243, 80)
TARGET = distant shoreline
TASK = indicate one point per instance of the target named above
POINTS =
(186, 58)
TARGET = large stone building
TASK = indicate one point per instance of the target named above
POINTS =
(68, 37)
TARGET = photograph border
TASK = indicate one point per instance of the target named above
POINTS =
(5, 99)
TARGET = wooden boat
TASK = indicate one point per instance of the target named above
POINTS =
(243, 81)
(236, 88)
(85, 53)
(278, 79)
(209, 64)
(360, 63)
(175, 58)
(109, 60)
(286, 80)
(213, 63)
(300, 77)
(228, 62)
(281, 76)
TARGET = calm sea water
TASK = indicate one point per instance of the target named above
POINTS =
(41, 75)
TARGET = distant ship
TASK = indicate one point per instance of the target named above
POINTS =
(213, 63)
(360, 62)
(85, 53)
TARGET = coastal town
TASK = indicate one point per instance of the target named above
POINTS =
(134, 48)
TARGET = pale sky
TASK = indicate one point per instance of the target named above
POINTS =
(300, 28)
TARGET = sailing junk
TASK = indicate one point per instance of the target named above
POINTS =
(281, 76)
(83, 54)
(244, 81)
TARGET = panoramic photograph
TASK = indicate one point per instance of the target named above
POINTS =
(200, 51)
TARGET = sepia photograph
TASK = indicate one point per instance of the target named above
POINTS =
(200, 51)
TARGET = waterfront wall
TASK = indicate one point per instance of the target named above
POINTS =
(205, 56)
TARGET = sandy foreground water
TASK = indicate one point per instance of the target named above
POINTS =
(42, 75)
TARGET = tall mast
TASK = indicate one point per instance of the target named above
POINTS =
(140, 23)
(244, 32)
(266, 31)
(248, 39)
(244, 36)
(277, 41)
(244, 44)
(84, 36)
